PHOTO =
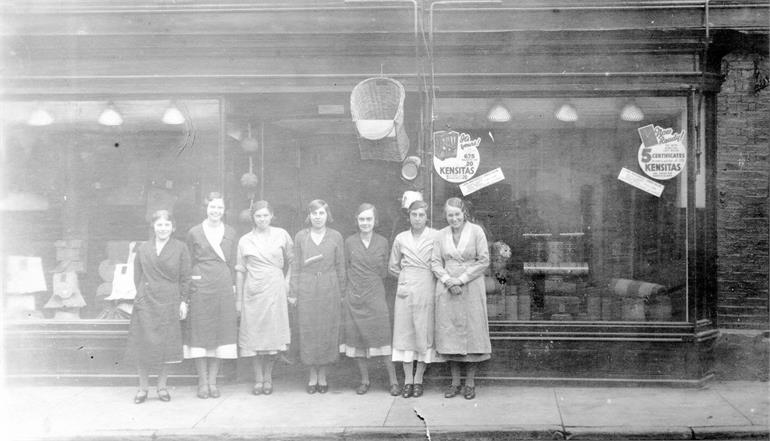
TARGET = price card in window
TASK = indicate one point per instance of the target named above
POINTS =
(640, 182)
(662, 154)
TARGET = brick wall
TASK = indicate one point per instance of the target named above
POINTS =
(743, 134)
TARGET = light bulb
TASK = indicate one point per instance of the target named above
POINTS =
(631, 112)
(499, 113)
(567, 113)
(173, 115)
(110, 117)
(40, 117)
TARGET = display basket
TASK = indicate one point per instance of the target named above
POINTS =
(377, 109)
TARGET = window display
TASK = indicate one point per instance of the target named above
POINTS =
(573, 237)
(79, 185)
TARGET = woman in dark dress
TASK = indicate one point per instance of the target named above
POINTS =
(212, 328)
(365, 311)
(317, 275)
(162, 279)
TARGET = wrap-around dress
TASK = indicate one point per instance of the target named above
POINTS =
(317, 278)
(263, 258)
(366, 319)
(414, 309)
(162, 283)
(212, 320)
(462, 327)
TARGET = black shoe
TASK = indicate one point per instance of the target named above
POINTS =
(323, 388)
(312, 388)
(452, 391)
(418, 390)
(362, 389)
(267, 389)
(163, 395)
(395, 390)
(257, 389)
(408, 390)
(140, 397)
(470, 392)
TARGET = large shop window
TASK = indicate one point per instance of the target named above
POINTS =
(80, 182)
(570, 239)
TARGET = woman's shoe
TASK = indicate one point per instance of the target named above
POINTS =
(203, 392)
(408, 390)
(323, 388)
(267, 389)
(312, 388)
(452, 391)
(418, 390)
(214, 392)
(140, 397)
(257, 389)
(395, 390)
(470, 392)
(163, 395)
(362, 388)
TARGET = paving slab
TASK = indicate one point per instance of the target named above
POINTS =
(290, 406)
(524, 407)
(750, 398)
(645, 407)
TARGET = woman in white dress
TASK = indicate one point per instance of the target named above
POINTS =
(460, 257)
(262, 283)
(413, 314)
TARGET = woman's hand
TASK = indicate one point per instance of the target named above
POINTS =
(292, 301)
(456, 290)
(453, 281)
(182, 310)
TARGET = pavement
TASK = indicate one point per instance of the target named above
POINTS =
(720, 410)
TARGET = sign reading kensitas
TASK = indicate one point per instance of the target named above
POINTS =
(455, 155)
(663, 154)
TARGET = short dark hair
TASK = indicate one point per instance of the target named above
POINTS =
(258, 206)
(314, 205)
(162, 214)
(367, 206)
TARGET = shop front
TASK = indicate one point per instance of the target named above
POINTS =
(586, 151)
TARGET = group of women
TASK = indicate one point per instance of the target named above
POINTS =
(188, 307)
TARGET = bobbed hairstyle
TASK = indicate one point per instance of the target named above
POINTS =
(461, 204)
(258, 206)
(314, 205)
(162, 214)
(416, 205)
(367, 206)
(213, 195)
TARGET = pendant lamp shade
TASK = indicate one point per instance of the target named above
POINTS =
(173, 116)
(110, 116)
(498, 113)
(40, 117)
(567, 113)
(631, 112)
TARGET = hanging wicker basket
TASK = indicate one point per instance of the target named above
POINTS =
(377, 109)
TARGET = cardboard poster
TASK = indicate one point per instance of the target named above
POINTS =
(455, 155)
(479, 182)
(663, 153)
(640, 182)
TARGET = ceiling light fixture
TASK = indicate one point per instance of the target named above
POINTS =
(173, 115)
(39, 118)
(110, 116)
(498, 113)
(631, 112)
(567, 113)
